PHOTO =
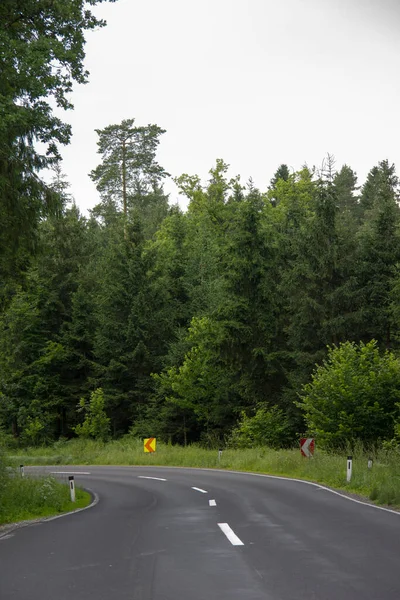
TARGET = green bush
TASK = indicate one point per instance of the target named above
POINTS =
(96, 424)
(353, 396)
(268, 427)
(3, 475)
(7, 440)
(29, 498)
(394, 443)
(35, 431)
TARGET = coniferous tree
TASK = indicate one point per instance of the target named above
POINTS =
(41, 56)
(36, 376)
(129, 176)
(378, 253)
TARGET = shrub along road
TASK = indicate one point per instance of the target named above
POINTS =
(166, 533)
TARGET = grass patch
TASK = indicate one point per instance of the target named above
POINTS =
(380, 484)
(30, 498)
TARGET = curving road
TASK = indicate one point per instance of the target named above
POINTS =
(191, 534)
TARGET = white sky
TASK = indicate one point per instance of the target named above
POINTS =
(257, 83)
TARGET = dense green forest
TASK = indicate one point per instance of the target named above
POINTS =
(198, 325)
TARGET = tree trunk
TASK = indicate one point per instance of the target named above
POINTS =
(14, 427)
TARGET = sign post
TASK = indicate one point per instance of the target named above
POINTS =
(72, 487)
(21, 470)
(349, 468)
(307, 447)
(149, 444)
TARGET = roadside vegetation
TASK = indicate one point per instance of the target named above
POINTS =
(25, 498)
(380, 484)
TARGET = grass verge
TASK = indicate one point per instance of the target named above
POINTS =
(380, 484)
(27, 498)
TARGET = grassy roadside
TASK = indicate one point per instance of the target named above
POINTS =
(27, 498)
(380, 484)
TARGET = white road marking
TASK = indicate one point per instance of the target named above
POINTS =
(231, 535)
(212, 503)
(145, 477)
(70, 473)
(316, 485)
(200, 490)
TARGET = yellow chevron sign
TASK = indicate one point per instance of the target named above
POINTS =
(150, 445)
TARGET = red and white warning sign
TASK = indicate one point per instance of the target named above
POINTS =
(307, 447)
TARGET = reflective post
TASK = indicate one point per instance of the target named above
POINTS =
(349, 468)
(72, 487)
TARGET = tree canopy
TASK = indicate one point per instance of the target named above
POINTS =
(41, 56)
(252, 316)
(208, 324)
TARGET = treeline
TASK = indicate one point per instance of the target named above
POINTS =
(192, 322)
(198, 325)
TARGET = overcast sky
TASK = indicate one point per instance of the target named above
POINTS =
(257, 83)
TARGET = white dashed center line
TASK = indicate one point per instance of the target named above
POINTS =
(200, 490)
(232, 537)
(156, 478)
(212, 503)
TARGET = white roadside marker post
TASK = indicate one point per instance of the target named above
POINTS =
(219, 455)
(21, 470)
(349, 468)
(72, 487)
(370, 463)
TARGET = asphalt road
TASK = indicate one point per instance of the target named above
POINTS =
(202, 535)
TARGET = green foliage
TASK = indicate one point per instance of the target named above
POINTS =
(38, 362)
(394, 443)
(35, 432)
(201, 386)
(3, 473)
(353, 396)
(41, 56)
(282, 173)
(96, 424)
(345, 182)
(378, 254)
(268, 427)
(129, 176)
(188, 320)
(25, 498)
(381, 184)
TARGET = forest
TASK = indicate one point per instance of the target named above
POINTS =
(249, 318)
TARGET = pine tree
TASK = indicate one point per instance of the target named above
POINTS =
(345, 183)
(129, 175)
(281, 174)
(378, 253)
(36, 375)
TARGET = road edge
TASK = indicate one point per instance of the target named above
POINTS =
(341, 493)
(8, 529)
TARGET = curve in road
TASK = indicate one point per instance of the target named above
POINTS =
(173, 534)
